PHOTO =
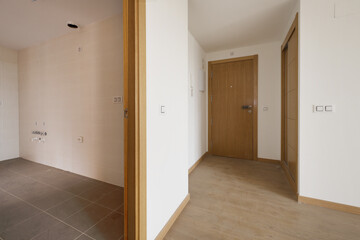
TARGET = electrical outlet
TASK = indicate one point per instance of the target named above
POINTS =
(80, 139)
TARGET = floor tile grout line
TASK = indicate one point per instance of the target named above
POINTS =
(84, 235)
(76, 195)
(99, 222)
(24, 220)
(65, 202)
(41, 211)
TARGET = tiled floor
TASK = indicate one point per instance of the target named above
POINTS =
(38, 202)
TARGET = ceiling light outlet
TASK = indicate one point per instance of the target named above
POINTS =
(72, 25)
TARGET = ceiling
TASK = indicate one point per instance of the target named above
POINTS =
(227, 24)
(25, 23)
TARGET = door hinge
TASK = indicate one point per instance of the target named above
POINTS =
(212, 74)
(211, 122)
(126, 113)
(211, 98)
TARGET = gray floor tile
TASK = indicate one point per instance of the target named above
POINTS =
(57, 178)
(31, 169)
(51, 199)
(87, 217)
(41, 195)
(7, 201)
(98, 192)
(59, 231)
(112, 200)
(84, 237)
(11, 180)
(68, 208)
(40, 185)
(120, 209)
(23, 166)
(18, 213)
(47, 175)
(30, 228)
(81, 187)
(110, 228)
(15, 163)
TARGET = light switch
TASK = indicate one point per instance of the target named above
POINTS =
(162, 110)
(319, 108)
(329, 108)
(265, 108)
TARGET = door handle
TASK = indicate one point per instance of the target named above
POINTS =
(247, 107)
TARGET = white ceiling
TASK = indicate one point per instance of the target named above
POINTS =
(24, 23)
(226, 24)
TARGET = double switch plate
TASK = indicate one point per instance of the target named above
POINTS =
(323, 108)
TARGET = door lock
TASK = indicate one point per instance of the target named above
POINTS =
(126, 113)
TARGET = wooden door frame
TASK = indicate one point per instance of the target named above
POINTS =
(255, 103)
(293, 182)
(134, 13)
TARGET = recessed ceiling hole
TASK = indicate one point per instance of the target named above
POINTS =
(72, 25)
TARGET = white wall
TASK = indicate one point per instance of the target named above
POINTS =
(72, 92)
(269, 90)
(291, 18)
(197, 102)
(9, 105)
(329, 74)
(167, 135)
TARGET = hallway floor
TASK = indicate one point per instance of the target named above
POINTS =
(43, 203)
(239, 199)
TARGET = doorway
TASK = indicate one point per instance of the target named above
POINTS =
(233, 94)
(289, 105)
(135, 119)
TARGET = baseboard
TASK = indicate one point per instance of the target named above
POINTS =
(197, 163)
(173, 218)
(331, 205)
(272, 161)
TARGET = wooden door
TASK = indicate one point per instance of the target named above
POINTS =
(291, 96)
(232, 108)
(290, 105)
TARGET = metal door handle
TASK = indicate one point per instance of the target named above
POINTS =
(247, 107)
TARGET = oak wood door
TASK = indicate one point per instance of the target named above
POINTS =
(232, 109)
(291, 104)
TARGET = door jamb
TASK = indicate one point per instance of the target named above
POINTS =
(293, 182)
(134, 13)
(255, 103)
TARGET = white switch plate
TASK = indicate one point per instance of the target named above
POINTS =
(329, 108)
(162, 110)
(117, 99)
(319, 108)
(323, 108)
